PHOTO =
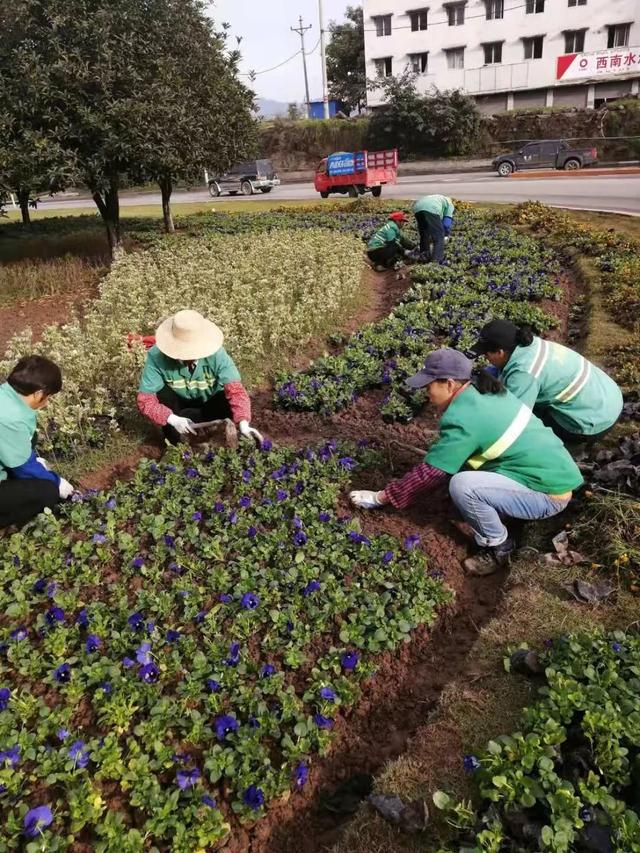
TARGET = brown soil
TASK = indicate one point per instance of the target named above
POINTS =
(40, 313)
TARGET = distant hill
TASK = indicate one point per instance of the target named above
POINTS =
(271, 109)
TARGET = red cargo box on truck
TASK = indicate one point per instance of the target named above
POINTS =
(356, 173)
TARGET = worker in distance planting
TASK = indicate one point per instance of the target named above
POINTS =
(570, 394)
(189, 378)
(434, 217)
(388, 246)
(515, 466)
(27, 485)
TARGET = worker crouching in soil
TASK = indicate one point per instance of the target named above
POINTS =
(434, 217)
(570, 394)
(189, 378)
(516, 466)
(27, 485)
(388, 246)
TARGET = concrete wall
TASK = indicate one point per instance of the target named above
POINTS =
(514, 72)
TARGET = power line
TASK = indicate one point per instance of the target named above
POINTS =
(253, 74)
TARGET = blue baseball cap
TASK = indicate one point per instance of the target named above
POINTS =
(443, 363)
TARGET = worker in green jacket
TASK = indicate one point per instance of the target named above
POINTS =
(389, 245)
(434, 215)
(515, 466)
(572, 396)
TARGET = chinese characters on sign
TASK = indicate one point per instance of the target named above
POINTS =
(574, 66)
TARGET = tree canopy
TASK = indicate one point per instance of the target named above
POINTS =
(346, 69)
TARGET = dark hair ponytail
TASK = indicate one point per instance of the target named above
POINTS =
(485, 383)
(524, 336)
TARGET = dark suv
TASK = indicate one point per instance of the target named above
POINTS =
(246, 178)
(545, 155)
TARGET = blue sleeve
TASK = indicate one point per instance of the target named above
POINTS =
(447, 222)
(33, 470)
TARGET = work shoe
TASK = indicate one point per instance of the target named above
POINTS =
(489, 560)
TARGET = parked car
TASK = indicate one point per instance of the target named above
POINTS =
(545, 155)
(246, 178)
(356, 172)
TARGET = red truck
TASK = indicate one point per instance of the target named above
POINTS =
(356, 173)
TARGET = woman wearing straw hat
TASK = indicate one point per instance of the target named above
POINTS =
(517, 467)
(189, 378)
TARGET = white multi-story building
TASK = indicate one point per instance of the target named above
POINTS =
(508, 54)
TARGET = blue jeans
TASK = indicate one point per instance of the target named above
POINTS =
(482, 497)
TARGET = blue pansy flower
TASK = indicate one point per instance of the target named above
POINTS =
(387, 557)
(136, 621)
(63, 734)
(213, 685)
(10, 756)
(209, 801)
(281, 495)
(169, 540)
(128, 662)
(411, 541)
(79, 754)
(19, 634)
(149, 673)
(245, 501)
(250, 601)
(311, 587)
(225, 725)
(218, 507)
(301, 775)
(54, 615)
(5, 695)
(323, 722)
(225, 598)
(111, 503)
(324, 517)
(143, 654)
(82, 619)
(92, 643)
(253, 797)
(328, 694)
(247, 475)
(266, 445)
(106, 687)
(300, 538)
(137, 562)
(252, 532)
(617, 647)
(471, 764)
(39, 586)
(62, 674)
(36, 820)
(173, 636)
(267, 671)
(196, 516)
(347, 463)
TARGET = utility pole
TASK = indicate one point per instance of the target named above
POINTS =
(301, 31)
(323, 56)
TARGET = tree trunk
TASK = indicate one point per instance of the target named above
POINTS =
(23, 201)
(166, 188)
(108, 203)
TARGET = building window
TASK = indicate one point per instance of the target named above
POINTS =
(384, 66)
(534, 7)
(419, 62)
(383, 25)
(533, 47)
(455, 12)
(618, 35)
(577, 2)
(574, 41)
(455, 57)
(418, 19)
(492, 52)
(494, 9)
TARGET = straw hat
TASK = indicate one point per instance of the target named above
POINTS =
(188, 336)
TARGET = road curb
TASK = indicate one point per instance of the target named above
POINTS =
(578, 173)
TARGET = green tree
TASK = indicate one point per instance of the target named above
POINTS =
(438, 124)
(346, 69)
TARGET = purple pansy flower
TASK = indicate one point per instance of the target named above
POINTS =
(128, 662)
(149, 673)
(387, 557)
(191, 473)
(245, 501)
(281, 495)
(471, 764)
(218, 507)
(234, 655)
(208, 801)
(79, 754)
(347, 463)
(253, 797)
(311, 587)
(187, 778)
(247, 475)
(173, 636)
(323, 722)
(110, 504)
(5, 695)
(225, 725)
(349, 660)
(54, 615)
(266, 445)
(300, 538)
(324, 517)
(225, 598)
(19, 634)
(196, 516)
(136, 621)
(63, 734)
(252, 532)
(137, 562)
(11, 756)
(169, 541)
(328, 694)
(82, 619)
(232, 518)
(213, 685)
(411, 541)
(39, 586)
(143, 654)
(267, 671)
(36, 820)
(99, 538)
(106, 687)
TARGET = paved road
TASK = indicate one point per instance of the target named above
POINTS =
(618, 193)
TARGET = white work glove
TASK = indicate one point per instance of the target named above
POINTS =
(183, 426)
(247, 431)
(43, 462)
(65, 489)
(446, 239)
(366, 499)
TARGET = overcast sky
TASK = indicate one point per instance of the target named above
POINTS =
(267, 41)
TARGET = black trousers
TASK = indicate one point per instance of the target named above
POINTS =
(431, 232)
(385, 256)
(214, 409)
(569, 438)
(21, 500)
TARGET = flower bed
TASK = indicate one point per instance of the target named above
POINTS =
(177, 651)
(270, 293)
(489, 271)
(569, 779)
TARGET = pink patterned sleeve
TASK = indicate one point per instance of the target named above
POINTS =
(238, 400)
(152, 408)
(422, 478)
